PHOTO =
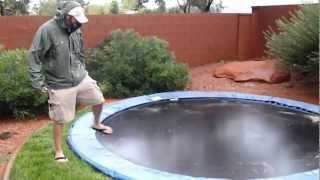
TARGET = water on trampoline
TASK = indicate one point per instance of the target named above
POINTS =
(217, 138)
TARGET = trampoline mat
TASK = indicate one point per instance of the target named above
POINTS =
(217, 138)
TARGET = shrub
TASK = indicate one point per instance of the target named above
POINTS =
(127, 64)
(297, 44)
(17, 97)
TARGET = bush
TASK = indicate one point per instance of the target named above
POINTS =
(297, 44)
(17, 97)
(129, 65)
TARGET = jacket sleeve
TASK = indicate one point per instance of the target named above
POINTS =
(82, 51)
(39, 47)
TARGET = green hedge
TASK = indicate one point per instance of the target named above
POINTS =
(127, 64)
(297, 43)
(17, 97)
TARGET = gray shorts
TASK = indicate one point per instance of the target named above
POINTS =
(62, 102)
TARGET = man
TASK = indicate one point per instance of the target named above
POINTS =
(57, 67)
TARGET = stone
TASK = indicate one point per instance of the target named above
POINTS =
(5, 135)
(265, 70)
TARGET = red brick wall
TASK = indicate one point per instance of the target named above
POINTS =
(263, 18)
(17, 32)
(244, 37)
(194, 38)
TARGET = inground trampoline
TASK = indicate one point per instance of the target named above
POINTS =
(202, 135)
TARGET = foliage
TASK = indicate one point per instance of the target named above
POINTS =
(174, 10)
(129, 4)
(17, 97)
(133, 4)
(205, 6)
(114, 7)
(97, 9)
(127, 64)
(161, 6)
(46, 8)
(139, 5)
(82, 2)
(216, 7)
(13, 7)
(146, 11)
(297, 43)
(184, 6)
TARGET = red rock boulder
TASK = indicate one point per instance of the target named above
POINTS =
(252, 71)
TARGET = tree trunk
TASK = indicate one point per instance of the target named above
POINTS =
(207, 8)
(183, 6)
(188, 6)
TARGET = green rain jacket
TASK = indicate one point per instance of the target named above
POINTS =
(56, 58)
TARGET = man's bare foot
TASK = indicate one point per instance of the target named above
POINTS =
(60, 157)
(102, 128)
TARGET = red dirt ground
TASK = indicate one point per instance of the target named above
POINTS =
(19, 130)
(201, 79)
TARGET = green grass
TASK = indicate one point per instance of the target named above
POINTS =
(35, 160)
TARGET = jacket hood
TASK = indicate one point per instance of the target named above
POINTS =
(63, 8)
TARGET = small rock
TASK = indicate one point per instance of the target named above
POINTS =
(266, 71)
(5, 135)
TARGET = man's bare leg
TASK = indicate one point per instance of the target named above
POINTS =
(57, 137)
(97, 109)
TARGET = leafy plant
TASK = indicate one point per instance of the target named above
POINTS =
(297, 43)
(127, 64)
(17, 97)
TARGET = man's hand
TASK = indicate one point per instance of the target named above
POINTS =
(44, 90)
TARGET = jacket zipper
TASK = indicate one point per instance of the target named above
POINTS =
(70, 61)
